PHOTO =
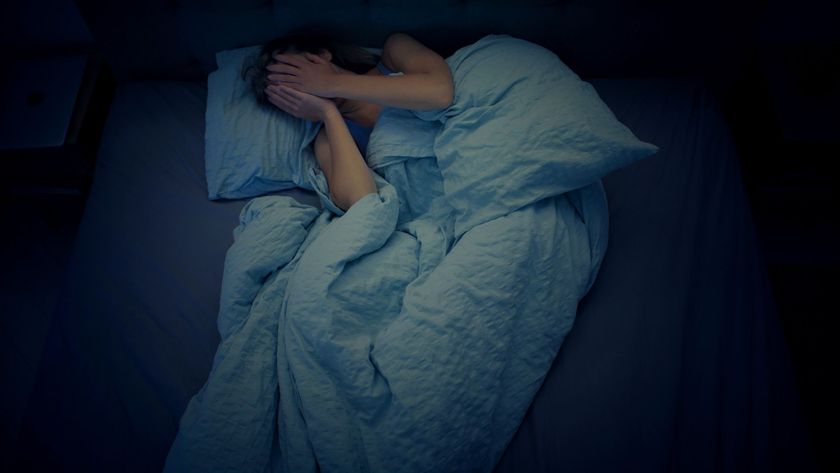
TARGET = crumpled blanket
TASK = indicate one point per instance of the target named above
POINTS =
(394, 336)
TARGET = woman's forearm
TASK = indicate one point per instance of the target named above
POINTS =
(349, 178)
(416, 91)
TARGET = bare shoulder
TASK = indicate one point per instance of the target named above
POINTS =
(402, 52)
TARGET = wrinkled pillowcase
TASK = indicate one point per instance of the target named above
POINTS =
(250, 149)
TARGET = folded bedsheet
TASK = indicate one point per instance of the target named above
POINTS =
(388, 338)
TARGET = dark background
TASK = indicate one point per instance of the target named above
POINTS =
(774, 66)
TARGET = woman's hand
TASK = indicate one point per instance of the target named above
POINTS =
(299, 104)
(308, 73)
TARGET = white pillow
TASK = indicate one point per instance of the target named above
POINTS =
(251, 149)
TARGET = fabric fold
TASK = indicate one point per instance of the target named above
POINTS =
(388, 337)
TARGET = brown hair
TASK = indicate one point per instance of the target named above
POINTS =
(348, 56)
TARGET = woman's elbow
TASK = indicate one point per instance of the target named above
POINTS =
(441, 90)
(447, 96)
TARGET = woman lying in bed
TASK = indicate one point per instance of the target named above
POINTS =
(314, 78)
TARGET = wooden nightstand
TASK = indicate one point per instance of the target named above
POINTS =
(52, 111)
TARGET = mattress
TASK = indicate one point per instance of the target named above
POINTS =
(676, 360)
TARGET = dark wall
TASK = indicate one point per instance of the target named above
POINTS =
(177, 38)
(40, 27)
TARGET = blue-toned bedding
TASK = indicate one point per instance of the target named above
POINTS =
(380, 339)
(676, 361)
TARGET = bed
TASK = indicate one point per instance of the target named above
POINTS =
(676, 361)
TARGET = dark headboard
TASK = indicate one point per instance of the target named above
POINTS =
(177, 39)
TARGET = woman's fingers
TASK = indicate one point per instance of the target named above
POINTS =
(293, 94)
(286, 101)
(280, 68)
(279, 100)
(289, 93)
(280, 103)
(315, 58)
(289, 59)
(282, 78)
(279, 88)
